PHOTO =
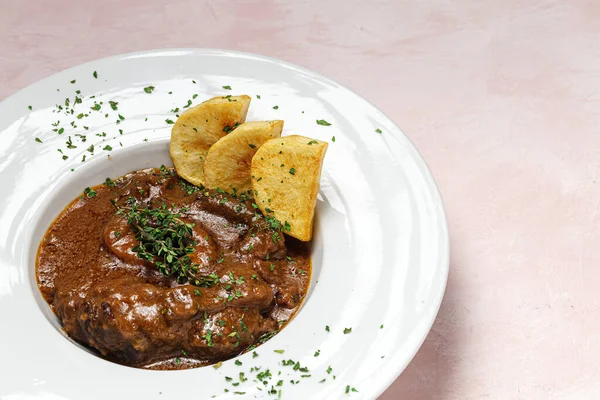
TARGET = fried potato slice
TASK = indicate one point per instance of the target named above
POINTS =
(285, 179)
(199, 128)
(228, 161)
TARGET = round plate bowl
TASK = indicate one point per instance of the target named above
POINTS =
(380, 253)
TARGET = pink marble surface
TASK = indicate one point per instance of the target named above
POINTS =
(502, 98)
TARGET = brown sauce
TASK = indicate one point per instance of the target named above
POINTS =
(254, 277)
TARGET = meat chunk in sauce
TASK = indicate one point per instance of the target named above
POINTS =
(249, 279)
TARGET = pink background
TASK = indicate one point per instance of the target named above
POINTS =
(502, 98)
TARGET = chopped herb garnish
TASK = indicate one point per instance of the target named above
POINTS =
(109, 182)
(252, 146)
(378, 130)
(333, 139)
(37, 139)
(89, 192)
(95, 74)
(238, 362)
(169, 121)
(227, 87)
(258, 96)
(107, 148)
(313, 142)
(279, 351)
(149, 89)
(73, 81)
(327, 328)
(275, 107)
(114, 105)
(317, 353)
(347, 330)
(292, 171)
(30, 108)
(323, 122)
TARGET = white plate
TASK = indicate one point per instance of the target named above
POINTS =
(381, 246)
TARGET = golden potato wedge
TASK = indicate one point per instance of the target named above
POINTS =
(228, 161)
(199, 128)
(285, 179)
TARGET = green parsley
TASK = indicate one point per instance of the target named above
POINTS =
(292, 171)
(89, 192)
(107, 148)
(275, 107)
(279, 351)
(30, 108)
(252, 146)
(227, 87)
(323, 122)
(333, 139)
(95, 74)
(327, 328)
(238, 362)
(37, 139)
(169, 121)
(149, 89)
(347, 330)
(313, 142)
(317, 353)
(258, 96)
(73, 81)
(378, 130)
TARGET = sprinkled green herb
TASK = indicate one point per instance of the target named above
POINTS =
(292, 171)
(279, 351)
(96, 107)
(95, 74)
(37, 139)
(378, 130)
(317, 353)
(114, 105)
(252, 146)
(73, 81)
(169, 121)
(149, 89)
(70, 144)
(329, 369)
(327, 328)
(107, 148)
(323, 122)
(238, 362)
(258, 96)
(347, 330)
(65, 157)
(30, 108)
(254, 354)
(227, 87)
(275, 107)
(313, 142)
(80, 115)
(333, 139)
(381, 327)
(197, 292)
(117, 234)
(89, 192)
